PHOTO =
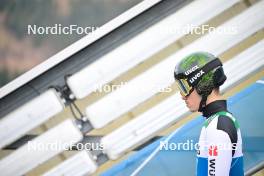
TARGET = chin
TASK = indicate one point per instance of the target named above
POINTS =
(192, 109)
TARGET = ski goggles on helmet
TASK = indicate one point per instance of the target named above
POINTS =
(188, 80)
(184, 87)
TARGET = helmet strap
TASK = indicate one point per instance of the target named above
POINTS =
(202, 103)
(204, 95)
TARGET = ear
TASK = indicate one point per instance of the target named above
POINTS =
(219, 77)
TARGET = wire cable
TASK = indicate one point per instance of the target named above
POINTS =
(154, 153)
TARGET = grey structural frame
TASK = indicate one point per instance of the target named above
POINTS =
(55, 76)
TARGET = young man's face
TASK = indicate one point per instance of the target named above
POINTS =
(192, 101)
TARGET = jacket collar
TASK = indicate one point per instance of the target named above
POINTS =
(214, 107)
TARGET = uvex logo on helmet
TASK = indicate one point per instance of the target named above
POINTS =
(191, 70)
(196, 76)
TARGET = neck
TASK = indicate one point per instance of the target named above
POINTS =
(214, 96)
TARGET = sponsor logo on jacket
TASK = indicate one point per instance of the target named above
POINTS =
(213, 151)
(212, 167)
